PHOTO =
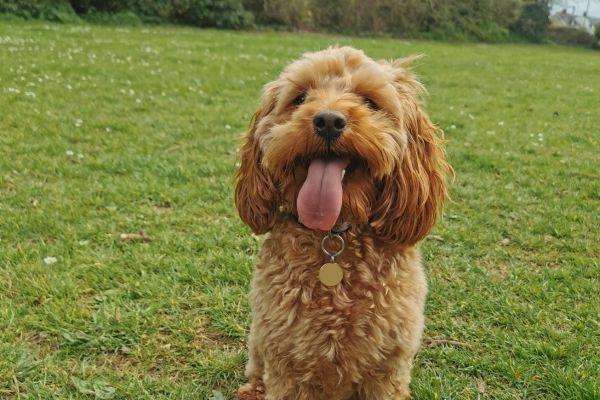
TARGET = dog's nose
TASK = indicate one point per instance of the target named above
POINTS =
(329, 124)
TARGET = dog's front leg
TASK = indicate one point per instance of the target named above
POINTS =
(255, 388)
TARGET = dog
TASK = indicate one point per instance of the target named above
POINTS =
(347, 174)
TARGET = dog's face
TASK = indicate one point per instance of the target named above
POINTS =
(340, 138)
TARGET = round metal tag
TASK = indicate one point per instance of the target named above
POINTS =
(331, 274)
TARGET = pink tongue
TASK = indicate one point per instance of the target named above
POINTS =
(320, 199)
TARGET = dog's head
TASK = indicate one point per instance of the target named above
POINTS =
(338, 138)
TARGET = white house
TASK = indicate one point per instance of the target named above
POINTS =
(564, 19)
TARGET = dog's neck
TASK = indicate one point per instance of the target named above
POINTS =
(338, 228)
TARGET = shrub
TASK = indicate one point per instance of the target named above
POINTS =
(153, 11)
(479, 20)
(294, 14)
(118, 18)
(108, 6)
(212, 13)
(51, 10)
(483, 20)
(571, 36)
(112, 11)
(202, 13)
(533, 22)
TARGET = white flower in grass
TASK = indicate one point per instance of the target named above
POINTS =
(50, 260)
(71, 153)
(78, 123)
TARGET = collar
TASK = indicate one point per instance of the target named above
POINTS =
(338, 228)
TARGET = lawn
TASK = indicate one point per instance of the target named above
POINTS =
(124, 267)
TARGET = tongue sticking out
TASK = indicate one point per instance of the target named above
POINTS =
(320, 199)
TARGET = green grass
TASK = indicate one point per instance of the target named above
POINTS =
(110, 131)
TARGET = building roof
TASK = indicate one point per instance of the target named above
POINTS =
(563, 18)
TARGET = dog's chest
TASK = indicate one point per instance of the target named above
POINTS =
(294, 310)
(287, 276)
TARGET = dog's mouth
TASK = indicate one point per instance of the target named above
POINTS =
(319, 201)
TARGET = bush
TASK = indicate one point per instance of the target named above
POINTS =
(51, 10)
(107, 6)
(571, 36)
(483, 20)
(110, 11)
(479, 20)
(464, 20)
(202, 13)
(293, 14)
(118, 18)
(533, 22)
(212, 13)
(153, 11)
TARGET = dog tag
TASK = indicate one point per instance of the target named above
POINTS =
(330, 274)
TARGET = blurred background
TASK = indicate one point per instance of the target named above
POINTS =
(572, 22)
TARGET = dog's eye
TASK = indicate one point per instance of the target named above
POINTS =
(301, 98)
(371, 104)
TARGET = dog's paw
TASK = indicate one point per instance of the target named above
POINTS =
(255, 390)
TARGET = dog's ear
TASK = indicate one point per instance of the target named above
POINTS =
(255, 191)
(411, 197)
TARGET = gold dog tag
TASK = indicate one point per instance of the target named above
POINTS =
(330, 274)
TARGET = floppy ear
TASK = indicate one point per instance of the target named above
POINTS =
(412, 195)
(255, 191)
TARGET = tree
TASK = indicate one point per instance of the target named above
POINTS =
(533, 22)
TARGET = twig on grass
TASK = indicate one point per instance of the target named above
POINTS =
(135, 237)
(436, 341)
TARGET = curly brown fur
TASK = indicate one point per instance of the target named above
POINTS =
(357, 339)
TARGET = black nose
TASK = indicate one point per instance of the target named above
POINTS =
(329, 124)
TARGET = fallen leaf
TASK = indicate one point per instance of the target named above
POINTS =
(481, 387)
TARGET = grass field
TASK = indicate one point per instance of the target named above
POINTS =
(123, 264)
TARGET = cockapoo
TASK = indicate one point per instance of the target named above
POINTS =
(346, 173)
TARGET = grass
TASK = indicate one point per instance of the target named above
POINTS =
(112, 131)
